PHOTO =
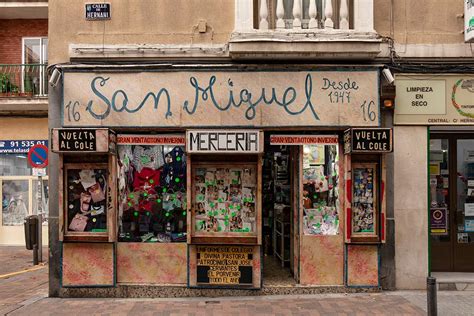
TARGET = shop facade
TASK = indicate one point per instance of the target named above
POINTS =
(216, 178)
(20, 189)
(440, 107)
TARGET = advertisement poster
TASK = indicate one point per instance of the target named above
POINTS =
(439, 221)
(469, 225)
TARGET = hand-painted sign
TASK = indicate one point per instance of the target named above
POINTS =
(444, 100)
(303, 140)
(224, 141)
(439, 221)
(21, 146)
(100, 140)
(97, 11)
(228, 98)
(368, 140)
(224, 265)
(128, 139)
(38, 156)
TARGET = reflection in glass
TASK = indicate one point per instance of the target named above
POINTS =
(14, 202)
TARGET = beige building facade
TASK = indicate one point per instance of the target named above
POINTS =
(301, 77)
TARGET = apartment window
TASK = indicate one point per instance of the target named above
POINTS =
(34, 60)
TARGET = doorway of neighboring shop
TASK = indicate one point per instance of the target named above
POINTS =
(451, 201)
(279, 207)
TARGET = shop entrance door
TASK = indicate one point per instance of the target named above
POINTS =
(452, 202)
(278, 215)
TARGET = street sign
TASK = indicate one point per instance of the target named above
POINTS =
(38, 156)
(39, 172)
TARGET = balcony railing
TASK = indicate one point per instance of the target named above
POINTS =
(306, 14)
(23, 80)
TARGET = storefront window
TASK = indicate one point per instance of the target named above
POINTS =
(320, 194)
(15, 201)
(224, 199)
(364, 199)
(465, 189)
(152, 193)
(86, 199)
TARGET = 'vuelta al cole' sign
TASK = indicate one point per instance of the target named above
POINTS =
(226, 98)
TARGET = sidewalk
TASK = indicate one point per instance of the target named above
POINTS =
(26, 294)
(20, 281)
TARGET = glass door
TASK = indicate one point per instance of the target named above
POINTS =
(451, 183)
(440, 205)
(463, 220)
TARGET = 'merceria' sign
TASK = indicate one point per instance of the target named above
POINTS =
(250, 99)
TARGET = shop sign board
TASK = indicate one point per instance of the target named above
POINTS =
(97, 11)
(206, 99)
(368, 140)
(303, 140)
(224, 265)
(439, 221)
(129, 139)
(224, 141)
(82, 140)
(19, 146)
(444, 100)
(469, 20)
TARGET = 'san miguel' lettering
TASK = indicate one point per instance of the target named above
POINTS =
(250, 99)
(111, 104)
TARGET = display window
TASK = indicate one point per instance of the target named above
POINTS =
(152, 193)
(225, 199)
(224, 202)
(320, 190)
(86, 198)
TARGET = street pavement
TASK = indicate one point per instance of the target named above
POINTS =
(24, 289)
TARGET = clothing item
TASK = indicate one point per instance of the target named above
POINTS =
(145, 179)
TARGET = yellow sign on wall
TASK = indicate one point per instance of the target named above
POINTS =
(442, 100)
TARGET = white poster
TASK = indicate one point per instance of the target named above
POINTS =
(469, 209)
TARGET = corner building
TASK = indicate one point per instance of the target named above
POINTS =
(198, 148)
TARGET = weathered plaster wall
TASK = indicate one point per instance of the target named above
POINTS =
(421, 21)
(138, 22)
(410, 206)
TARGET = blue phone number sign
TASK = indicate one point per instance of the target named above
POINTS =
(19, 146)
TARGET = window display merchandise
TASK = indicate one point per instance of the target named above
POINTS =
(320, 192)
(152, 193)
(86, 199)
(225, 199)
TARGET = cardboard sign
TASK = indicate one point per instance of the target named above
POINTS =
(303, 140)
(439, 221)
(368, 140)
(224, 141)
(75, 140)
(224, 265)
